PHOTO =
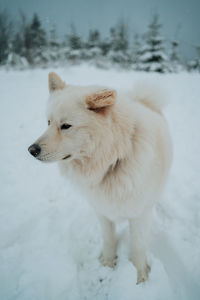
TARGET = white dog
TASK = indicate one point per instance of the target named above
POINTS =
(117, 148)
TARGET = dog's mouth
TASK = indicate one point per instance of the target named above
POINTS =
(46, 158)
(66, 157)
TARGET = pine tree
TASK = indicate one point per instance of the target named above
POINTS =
(194, 64)
(16, 57)
(93, 39)
(153, 56)
(119, 44)
(53, 40)
(174, 56)
(105, 46)
(74, 43)
(174, 52)
(135, 52)
(92, 47)
(18, 45)
(198, 57)
(120, 37)
(5, 36)
(74, 39)
(54, 53)
(35, 41)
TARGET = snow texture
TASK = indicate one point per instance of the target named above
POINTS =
(49, 236)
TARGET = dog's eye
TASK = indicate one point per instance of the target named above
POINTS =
(49, 122)
(65, 126)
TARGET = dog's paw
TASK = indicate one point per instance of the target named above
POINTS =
(143, 275)
(109, 262)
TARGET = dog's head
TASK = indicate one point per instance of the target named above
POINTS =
(77, 120)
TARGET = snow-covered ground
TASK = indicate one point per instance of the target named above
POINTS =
(49, 236)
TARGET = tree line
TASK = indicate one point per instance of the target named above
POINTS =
(27, 44)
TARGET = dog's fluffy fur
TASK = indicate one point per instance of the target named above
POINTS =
(118, 150)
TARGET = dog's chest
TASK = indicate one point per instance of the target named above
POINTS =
(116, 197)
(115, 200)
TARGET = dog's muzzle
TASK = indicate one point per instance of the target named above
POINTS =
(34, 150)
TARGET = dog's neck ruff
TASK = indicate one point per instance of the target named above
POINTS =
(111, 170)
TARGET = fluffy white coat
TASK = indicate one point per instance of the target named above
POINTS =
(116, 147)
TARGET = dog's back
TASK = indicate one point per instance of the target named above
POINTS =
(152, 100)
(150, 95)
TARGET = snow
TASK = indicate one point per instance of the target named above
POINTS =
(49, 236)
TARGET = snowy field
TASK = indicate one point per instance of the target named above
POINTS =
(49, 236)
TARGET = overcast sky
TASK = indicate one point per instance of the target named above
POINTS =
(180, 18)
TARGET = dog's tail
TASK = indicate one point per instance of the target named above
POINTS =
(150, 95)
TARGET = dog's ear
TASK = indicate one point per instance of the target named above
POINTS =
(55, 82)
(101, 100)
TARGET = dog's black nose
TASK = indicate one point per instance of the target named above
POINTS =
(34, 150)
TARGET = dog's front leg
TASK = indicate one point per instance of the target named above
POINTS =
(108, 256)
(139, 233)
